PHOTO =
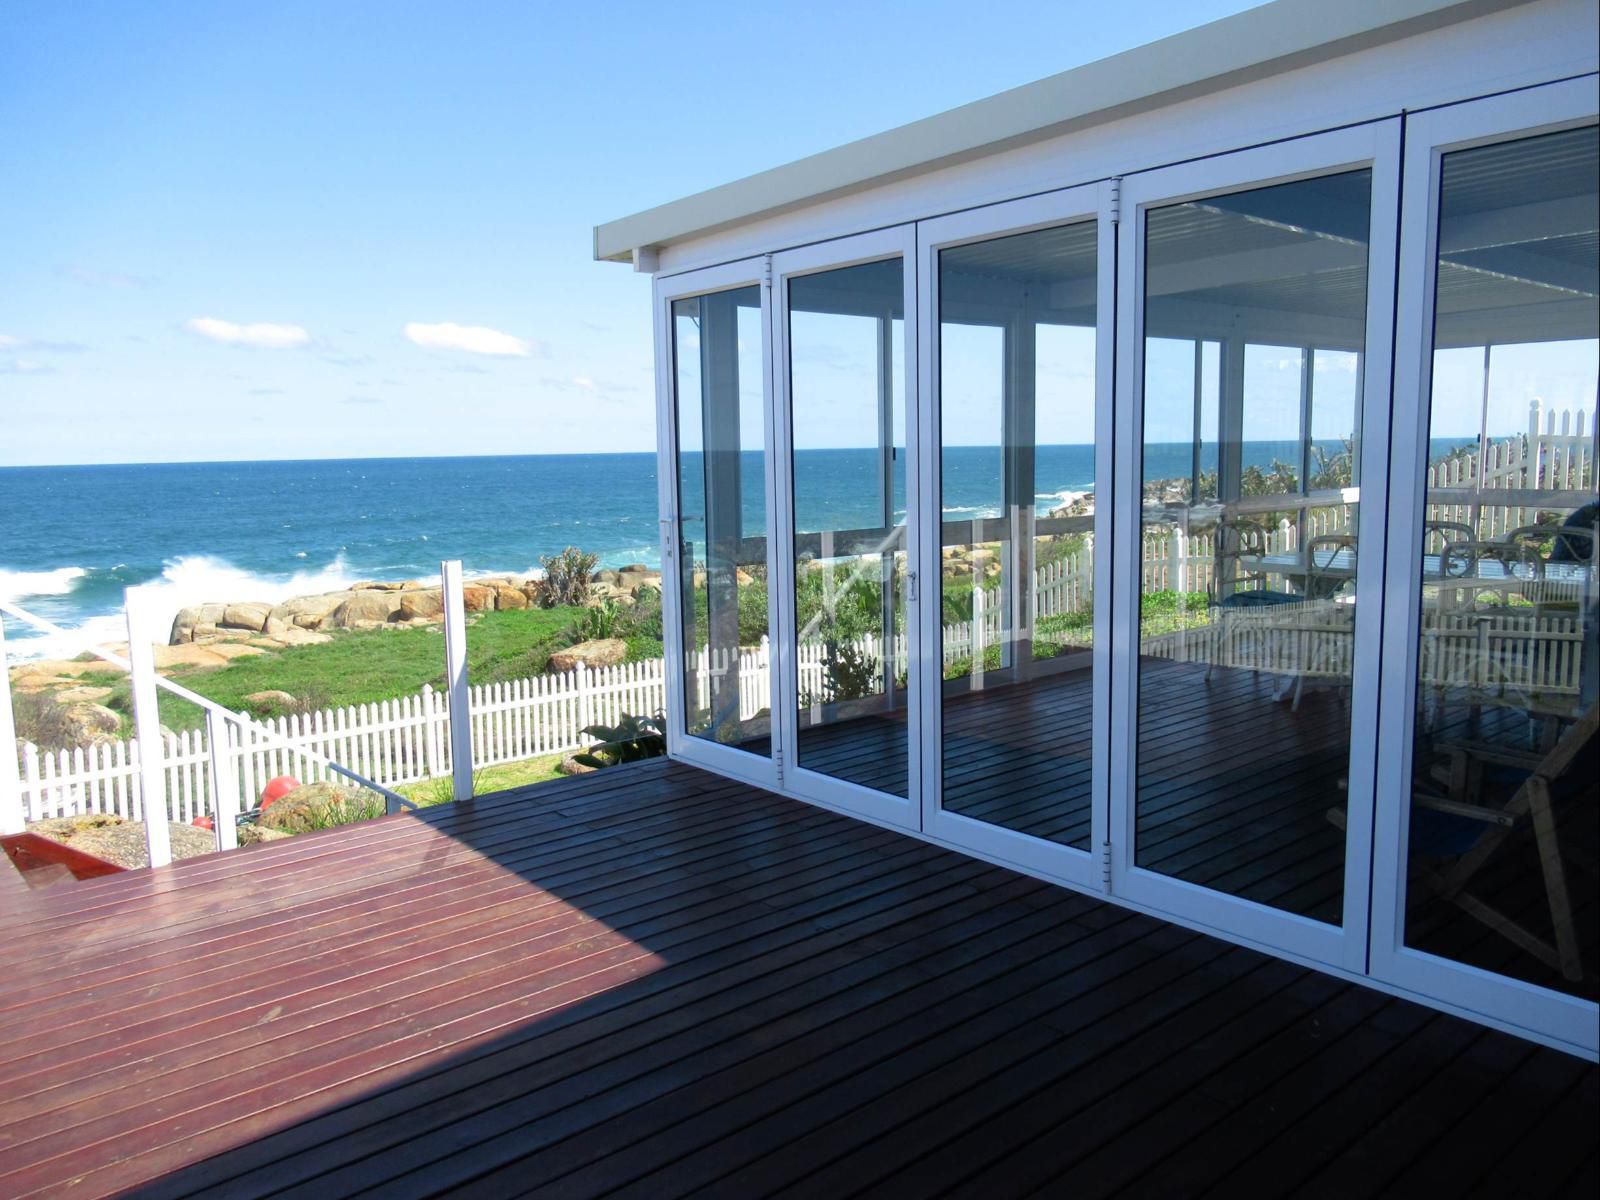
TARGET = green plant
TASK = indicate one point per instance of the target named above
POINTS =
(632, 739)
(321, 806)
(567, 578)
(603, 621)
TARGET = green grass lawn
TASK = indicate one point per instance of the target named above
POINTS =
(488, 779)
(362, 666)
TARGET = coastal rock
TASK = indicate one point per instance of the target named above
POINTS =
(422, 606)
(82, 694)
(477, 598)
(194, 655)
(183, 625)
(272, 697)
(632, 575)
(255, 835)
(251, 615)
(364, 610)
(375, 585)
(308, 612)
(506, 596)
(571, 766)
(88, 722)
(294, 636)
(601, 652)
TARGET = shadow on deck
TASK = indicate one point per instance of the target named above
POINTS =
(657, 982)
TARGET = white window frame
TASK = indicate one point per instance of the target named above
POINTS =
(725, 760)
(830, 791)
(1375, 146)
(1551, 1016)
(1091, 202)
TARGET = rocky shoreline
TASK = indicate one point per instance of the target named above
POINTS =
(308, 620)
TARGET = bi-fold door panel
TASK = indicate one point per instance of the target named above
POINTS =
(714, 430)
(849, 712)
(1255, 295)
(1015, 305)
(1484, 892)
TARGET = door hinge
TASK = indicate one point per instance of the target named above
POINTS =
(1116, 200)
(1105, 864)
(766, 269)
(777, 762)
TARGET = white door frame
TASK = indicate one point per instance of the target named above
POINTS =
(883, 807)
(1090, 202)
(1552, 1015)
(725, 760)
(1375, 146)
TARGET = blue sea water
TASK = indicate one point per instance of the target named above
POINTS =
(72, 538)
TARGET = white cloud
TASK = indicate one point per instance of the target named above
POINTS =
(260, 334)
(584, 382)
(26, 366)
(474, 339)
(7, 342)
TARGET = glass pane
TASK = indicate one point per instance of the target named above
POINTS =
(1247, 580)
(1017, 480)
(846, 339)
(722, 518)
(1504, 764)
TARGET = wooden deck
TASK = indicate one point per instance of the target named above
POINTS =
(655, 982)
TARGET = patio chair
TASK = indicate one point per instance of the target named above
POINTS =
(1459, 827)
(1236, 586)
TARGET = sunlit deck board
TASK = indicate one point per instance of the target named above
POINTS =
(657, 982)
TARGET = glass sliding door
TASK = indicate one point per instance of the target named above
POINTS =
(847, 476)
(1256, 305)
(716, 606)
(1018, 410)
(1491, 797)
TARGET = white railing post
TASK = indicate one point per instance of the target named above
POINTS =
(147, 724)
(224, 780)
(455, 660)
(12, 816)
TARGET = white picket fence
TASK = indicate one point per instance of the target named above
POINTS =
(1556, 454)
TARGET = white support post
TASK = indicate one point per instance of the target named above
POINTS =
(455, 660)
(224, 780)
(147, 724)
(12, 816)
(580, 680)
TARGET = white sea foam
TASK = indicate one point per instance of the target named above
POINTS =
(20, 585)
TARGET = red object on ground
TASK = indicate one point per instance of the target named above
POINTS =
(203, 823)
(278, 788)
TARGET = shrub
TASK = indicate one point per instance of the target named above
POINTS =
(631, 739)
(567, 578)
(44, 721)
(603, 621)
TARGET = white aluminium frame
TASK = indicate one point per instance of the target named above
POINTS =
(1375, 146)
(1091, 202)
(883, 807)
(1552, 1016)
(725, 760)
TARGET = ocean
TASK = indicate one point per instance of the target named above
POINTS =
(72, 538)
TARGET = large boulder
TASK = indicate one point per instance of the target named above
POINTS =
(601, 652)
(271, 698)
(196, 617)
(365, 610)
(250, 615)
(632, 575)
(506, 596)
(87, 722)
(308, 612)
(475, 597)
(422, 606)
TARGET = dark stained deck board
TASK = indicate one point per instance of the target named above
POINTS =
(656, 982)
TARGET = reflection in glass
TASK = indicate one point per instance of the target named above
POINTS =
(1502, 825)
(848, 403)
(1017, 484)
(1254, 320)
(722, 523)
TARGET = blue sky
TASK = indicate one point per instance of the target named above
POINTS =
(219, 220)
